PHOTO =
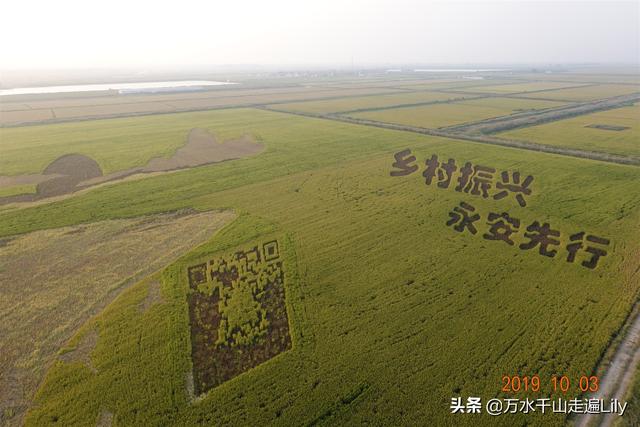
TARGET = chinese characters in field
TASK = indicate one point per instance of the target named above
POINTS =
(489, 183)
(476, 180)
(586, 248)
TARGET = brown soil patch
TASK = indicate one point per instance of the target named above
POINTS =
(12, 389)
(203, 148)
(237, 314)
(74, 165)
(82, 352)
(12, 181)
(608, 127)
(105, 419)
(61, 176)
(56, 187)
(153, 296)
(188, 380)
(74, 172)
(53, 281)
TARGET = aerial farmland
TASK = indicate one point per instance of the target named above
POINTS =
(362, 245)
(321, 246)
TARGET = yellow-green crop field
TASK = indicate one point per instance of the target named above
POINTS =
(83, 107)
(364, 102)
(17, 189)
(587, 132)
(524, 87)
(116, 144)
(373, 304)
(587, 93)
(391, 311)
(443, 115)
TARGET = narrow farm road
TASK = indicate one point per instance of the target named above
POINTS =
(619, 376)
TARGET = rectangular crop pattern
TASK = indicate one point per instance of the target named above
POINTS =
(237, 314)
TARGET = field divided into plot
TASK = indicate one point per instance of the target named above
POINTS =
(525, 87)
(378, 277)
(378, 101)
(460, 84)
(586, 93)
(614, 131)
(443, 115)
(116, 144)
(23, 109)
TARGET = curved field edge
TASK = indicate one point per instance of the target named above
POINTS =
(141, 361)
(52, 281)
(631, 417)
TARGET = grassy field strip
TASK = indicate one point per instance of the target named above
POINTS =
(89, 98)
(506, 95)
(373, 103)
(619, 374)
(589, 93)
(532, 118)
(586, 131)
(417, 104)
(539, 98)
(139, 100)
(50, 118)
(525, 145)
(522, 88)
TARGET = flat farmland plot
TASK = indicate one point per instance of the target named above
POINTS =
(587, 93)
(25, 116)
(34, 109)
(115, 144)
(443, 115)
(375, 268)
(461, 84)
(524, 87)
(377, 101)
(614, 131)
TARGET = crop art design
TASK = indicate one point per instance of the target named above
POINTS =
(479, 180)
(237, 313)
(473, 179)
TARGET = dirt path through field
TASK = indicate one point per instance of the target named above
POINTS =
(621, 371)
(618, 378)
(480, 131)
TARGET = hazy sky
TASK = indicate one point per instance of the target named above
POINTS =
(86, 33)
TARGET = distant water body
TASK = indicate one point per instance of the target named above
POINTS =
(149, 87)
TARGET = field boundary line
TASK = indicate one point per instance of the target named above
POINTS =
(484, 139)
(619, 372)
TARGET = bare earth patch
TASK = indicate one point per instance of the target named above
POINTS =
(105, 419)
(153, 296)
(75, 172)
(203, 148)
(82, 353)
(12, 181)
(53, 281)
(608, 127)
